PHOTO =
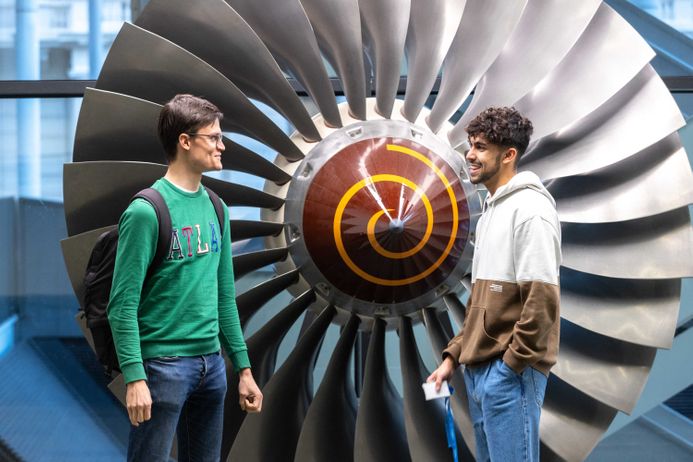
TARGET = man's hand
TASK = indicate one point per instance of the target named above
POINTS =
(139, 402)
(250, 396)
(444, 372)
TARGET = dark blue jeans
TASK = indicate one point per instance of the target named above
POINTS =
(187, 400)
(505, 408)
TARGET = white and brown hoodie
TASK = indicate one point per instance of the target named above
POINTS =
(513, 310)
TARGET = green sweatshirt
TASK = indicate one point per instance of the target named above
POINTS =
(189, 299)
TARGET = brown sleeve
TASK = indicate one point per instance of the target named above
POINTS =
(454, 349)
(531, 333)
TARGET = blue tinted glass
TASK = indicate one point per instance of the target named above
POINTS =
(676, 13)
(55, 39)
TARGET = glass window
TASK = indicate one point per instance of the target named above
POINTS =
(61, 36)
(41, 131)
(676, 13)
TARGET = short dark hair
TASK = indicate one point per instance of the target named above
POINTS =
(503, 126)
(184, 114)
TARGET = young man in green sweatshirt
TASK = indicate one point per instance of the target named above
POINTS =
(168, 328)
(510, 336)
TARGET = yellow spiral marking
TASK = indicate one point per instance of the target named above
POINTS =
(370, 231)
(336, 224)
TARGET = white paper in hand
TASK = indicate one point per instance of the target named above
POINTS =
(431, 393)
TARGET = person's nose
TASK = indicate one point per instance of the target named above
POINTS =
(471, 155)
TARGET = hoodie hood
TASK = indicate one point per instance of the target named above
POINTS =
(522, 180)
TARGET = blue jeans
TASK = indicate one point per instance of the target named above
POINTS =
(187, 400)
(505, 407)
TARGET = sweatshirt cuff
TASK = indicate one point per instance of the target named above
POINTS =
(454, 352)
(514, 363)
(239, 360)
(133, 372)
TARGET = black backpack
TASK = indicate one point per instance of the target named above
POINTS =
(99, 274)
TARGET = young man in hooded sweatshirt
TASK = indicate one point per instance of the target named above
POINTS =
(168, 328)
(509, 340)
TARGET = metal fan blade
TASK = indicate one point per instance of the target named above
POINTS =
(214, 22)
(639, 311)
(610, 371)
(460, 405)
(262, 351)
(117, 387)
(252, 300)
(593, 71)
(81, 320)
(337, 26)
(467, 282)
(368, 72)
(237, 194)
(245, 229)
(272, 434)
(90, 185)
(385, 25)
(651, 182)
(113, 126)
(289, 36)
(432, 26)
(97, 193)
(424, 421)
(247, 262)
(544, 35)
(437, 334)
(241, 159)
(640, 114)
(569, 415)
(618, 249)
(456, 308)
(380, 434)
(483, 31)
(264, 344)
(329, 426)
(76, 252)
(145, 65)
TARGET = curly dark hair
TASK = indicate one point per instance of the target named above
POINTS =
(503, 126)
(184, 114)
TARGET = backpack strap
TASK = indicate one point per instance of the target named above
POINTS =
(218, 208)
(163, 216)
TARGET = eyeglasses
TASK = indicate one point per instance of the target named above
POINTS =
(214, 137)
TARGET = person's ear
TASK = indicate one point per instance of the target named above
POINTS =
(184, 141)
(510, 156)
